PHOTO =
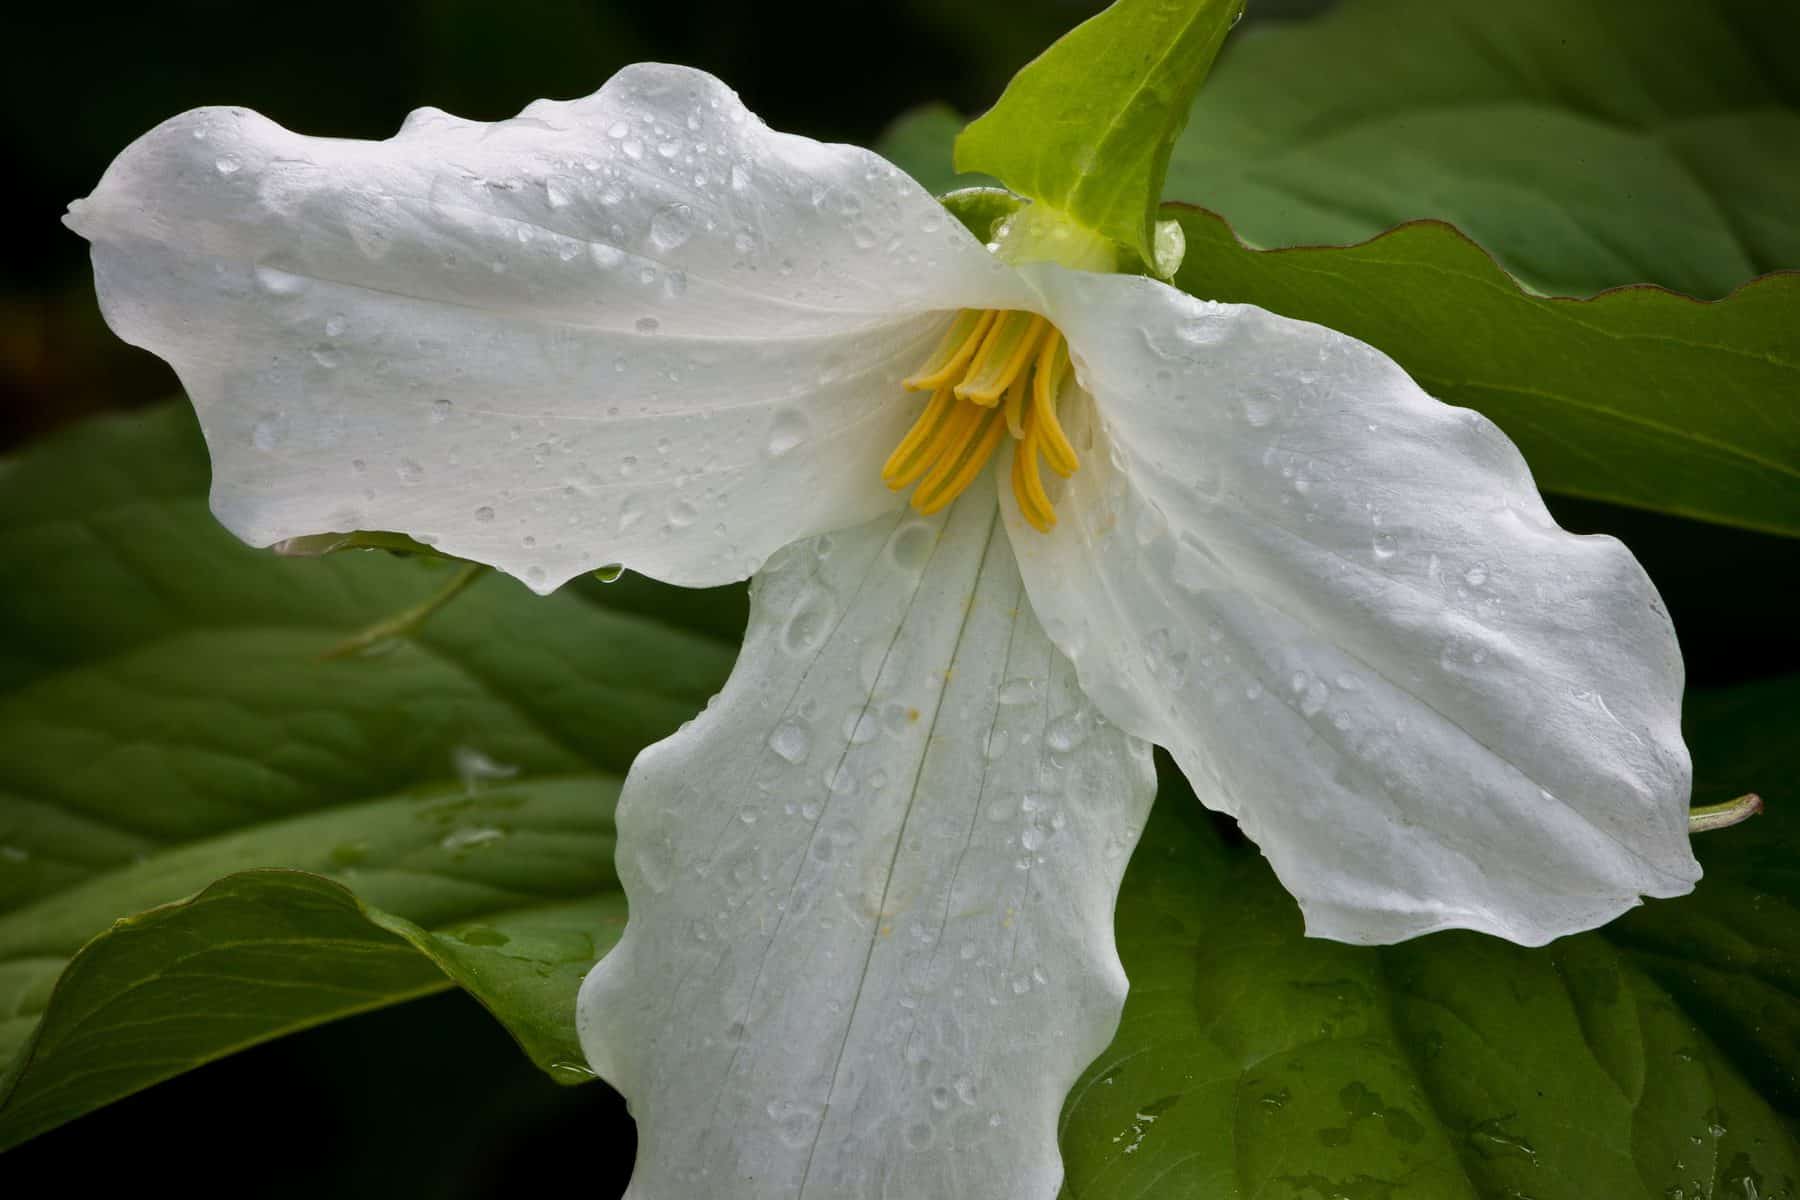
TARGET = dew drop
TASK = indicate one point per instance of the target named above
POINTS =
(273, 276)
(809, 623)
(791, 741)
(1385, 546)
(410, 472)
(788, 430)
(648, 324)
(1202, 330)
(484, 513)
(672, 226)
(1018, 691)
(266, 434)
(794, 1123)
(911, 545)
(1064, 734)
(631, 511)
(861, 727)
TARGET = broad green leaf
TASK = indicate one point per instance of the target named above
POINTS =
(1087, 126)
(1638, 396)
(1586, 143)
(166, 722)
(1649, 1061)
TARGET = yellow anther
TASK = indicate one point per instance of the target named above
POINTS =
(1016, 405)
(950, 435)
(953, 351)
(1028, 484)
(992, 374)
(1052, 366)
(1008, 346)
(934, 493)
(901, 462)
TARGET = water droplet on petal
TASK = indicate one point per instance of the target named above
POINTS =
(791, 741)
(1064, 734)
(672, 226)
(788, 430)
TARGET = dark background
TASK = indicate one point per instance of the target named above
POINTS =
(432, 1098)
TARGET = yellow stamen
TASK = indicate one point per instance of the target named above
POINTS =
(1004, 353)
(934, 495)
(951, 435)
(1028, 484)
(901, 461)
(1052, 366)
(953, 351)
(992, 374)
(1015, 406)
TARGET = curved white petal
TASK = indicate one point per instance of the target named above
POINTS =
(1344, 609)
(871, 888)
(639, 327)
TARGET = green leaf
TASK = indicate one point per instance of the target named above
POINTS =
(1585, 144)
(1638, 396)
(444, 808)
(1087, 126)
(1655, 1059)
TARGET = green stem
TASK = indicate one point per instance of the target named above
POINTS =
(405, 622)
(1723, 816)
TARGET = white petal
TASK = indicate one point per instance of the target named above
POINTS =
(1344, 609)
(871, 888)
(637, 328)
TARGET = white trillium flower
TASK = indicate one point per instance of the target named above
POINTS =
(872, 885)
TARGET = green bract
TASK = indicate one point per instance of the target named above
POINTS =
(1086, 128)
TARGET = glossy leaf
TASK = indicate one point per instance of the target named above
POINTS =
(1087, 126)
(166, 722)
(1585, 144)
(1253, 1062)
